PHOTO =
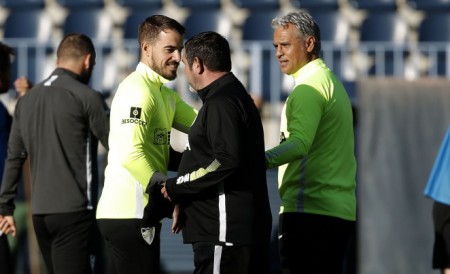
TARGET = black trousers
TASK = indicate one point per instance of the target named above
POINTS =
(66, 241)
(6, 261)
(127, 252)
(441, 248)
(313, 244)
(211, 259)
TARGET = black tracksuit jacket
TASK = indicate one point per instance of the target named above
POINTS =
(221, 184)
(57, 124)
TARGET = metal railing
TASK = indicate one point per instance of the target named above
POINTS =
(260, 72)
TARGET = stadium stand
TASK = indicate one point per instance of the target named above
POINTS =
(97, 23)
(257, 4)
(374, 4)
(199, 4)
(264, 75)
(29, 32)
(316, 4)
(388, 47)
(141, 4)
(216, 18)
(430, 5)
(22, 4)
(80, 4)
(334, 32)
(434, 38)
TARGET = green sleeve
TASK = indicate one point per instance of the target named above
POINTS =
(132, 139)
(184, 115)
(302, 114)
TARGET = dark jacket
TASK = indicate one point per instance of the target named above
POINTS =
(57, 124)
(221, 184)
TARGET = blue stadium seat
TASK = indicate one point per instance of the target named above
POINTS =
(134, 19)
(141, 4)
(217, 21)
(374, 4)
(81, 4)
(257, 27)
(198, 4)
(385, 30)
(94, 22)
(430, 5)
(257, 4)
(22, 4)
(316, 4)
(98, 25)
(334, 32)
(29, 31)
(130, 35)
(433, 38)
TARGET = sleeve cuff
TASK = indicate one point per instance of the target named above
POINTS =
(157, 179)
(170, 188)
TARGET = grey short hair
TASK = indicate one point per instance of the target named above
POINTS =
(303, 22)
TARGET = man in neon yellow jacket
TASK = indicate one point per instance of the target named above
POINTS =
(317, 166)
(143, 112)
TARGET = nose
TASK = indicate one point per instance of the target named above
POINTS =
(177, 56)
(279, 52)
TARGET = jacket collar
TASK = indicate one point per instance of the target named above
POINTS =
(151, 74)
(63, 71)
(210, 89)
(308, 69)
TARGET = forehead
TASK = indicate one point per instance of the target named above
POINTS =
(169, 38)
(287, 33)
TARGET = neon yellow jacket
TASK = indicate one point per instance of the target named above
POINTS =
(317, 166)
(143, 112)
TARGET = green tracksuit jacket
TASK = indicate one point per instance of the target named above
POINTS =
(317, 166)
(143, 112)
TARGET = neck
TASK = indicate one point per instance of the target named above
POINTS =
(211, 76)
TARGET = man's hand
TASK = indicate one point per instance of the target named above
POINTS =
(7, 225)
(22, 85)
(164, 192)
(176, 226)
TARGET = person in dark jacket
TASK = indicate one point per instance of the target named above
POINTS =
(221, 186)
(57, 124)
(6, 52)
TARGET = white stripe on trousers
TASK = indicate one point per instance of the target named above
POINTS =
(217, 258)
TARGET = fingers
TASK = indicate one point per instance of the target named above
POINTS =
(4, 227)
(165, 193)
(7, 225)
(176, 228)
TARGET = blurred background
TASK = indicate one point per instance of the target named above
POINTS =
(393, 57)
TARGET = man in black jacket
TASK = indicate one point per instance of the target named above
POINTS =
(221, 185)
(6, 53)
(57, 124)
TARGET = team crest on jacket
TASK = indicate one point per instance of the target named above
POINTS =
(161, 136)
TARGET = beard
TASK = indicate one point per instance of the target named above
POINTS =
(85, 76)
(169, 74)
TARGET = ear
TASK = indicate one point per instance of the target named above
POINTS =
(87, 61)
(198, 66)
(310, 43)
(146, 49)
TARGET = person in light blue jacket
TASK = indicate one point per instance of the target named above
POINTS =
(438, 189)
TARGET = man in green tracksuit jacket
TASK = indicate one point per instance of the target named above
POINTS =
(142, 114)
(317, 166)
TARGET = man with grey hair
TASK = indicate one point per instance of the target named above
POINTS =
(317, 166)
